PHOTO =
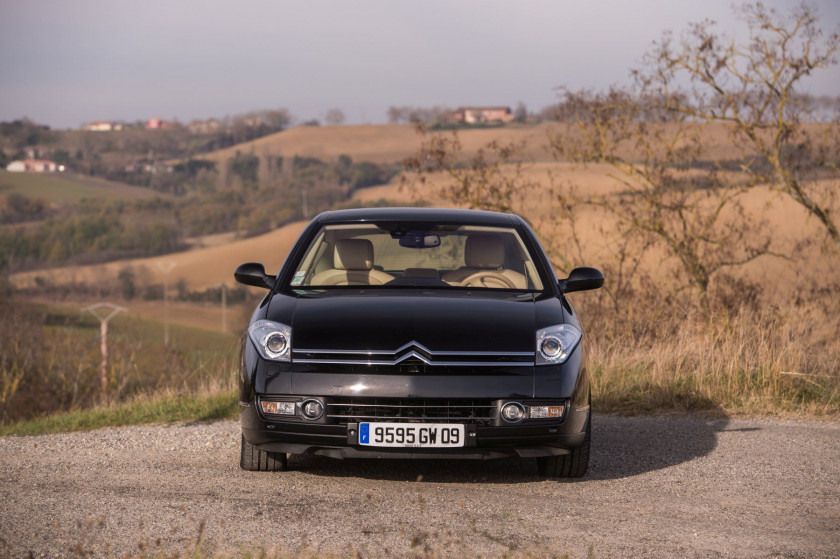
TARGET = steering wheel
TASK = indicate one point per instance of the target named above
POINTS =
(477, 279)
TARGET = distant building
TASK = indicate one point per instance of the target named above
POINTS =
(251, 121)
(159, 124)
(102, 126)
(478, 115)
(34, 166)
(203, 126)
(147, 166)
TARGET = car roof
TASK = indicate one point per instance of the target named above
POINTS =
(448, 215)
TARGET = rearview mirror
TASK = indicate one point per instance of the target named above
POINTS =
(253, 273)
(419, 239)
(582, 279)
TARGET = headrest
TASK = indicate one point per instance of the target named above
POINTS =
(353, 254)
(484, 251)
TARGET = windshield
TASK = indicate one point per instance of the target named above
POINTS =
(393, 255)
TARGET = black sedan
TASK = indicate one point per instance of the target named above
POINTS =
(416, 333)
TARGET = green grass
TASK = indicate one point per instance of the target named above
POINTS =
(147, 332)
(63, 189)
(148, 409)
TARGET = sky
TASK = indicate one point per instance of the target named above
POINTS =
(67, 62)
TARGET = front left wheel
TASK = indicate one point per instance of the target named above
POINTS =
(255, 460)
(569, 465)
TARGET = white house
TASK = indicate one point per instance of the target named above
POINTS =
(103, 126)
(33, 166)
(476, 115)
(16, 167)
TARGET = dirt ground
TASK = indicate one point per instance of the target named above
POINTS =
(657, 487)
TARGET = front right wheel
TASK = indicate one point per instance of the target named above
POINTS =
(255, 460)
(573, 464)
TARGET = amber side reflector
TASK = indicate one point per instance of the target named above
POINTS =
(546, 412)
(278, 408)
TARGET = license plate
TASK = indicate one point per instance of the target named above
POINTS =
(412, 435)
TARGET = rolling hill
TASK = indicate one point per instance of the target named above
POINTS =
(68, 188)
(210, 266)
(394, 142)
(199, 269)
(375, 143)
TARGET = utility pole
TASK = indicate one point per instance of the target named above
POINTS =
(165, 268)
(224, 307)
(103, 338)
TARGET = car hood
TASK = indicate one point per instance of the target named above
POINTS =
(460, 322)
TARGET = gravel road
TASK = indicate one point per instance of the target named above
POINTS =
(658, 487)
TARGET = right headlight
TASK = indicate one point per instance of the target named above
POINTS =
(556, 343)
(272, 339)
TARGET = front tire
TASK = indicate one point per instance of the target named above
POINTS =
(255, 460)
(569, 465)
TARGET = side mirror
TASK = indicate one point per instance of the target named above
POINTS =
(253, 273)
(582, 279)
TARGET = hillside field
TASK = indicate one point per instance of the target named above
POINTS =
(200, 269)
(376, 143)
(391, 143)
(213, 265)
(67, 188)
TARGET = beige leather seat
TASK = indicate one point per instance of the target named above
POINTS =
(352, 265)
(485, 253)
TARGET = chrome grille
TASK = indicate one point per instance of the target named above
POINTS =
(346, 410)
(414, 353)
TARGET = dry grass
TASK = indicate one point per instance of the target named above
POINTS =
(748, 361)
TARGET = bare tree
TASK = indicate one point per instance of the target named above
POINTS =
(335, 117)
(520, 114)
(498, 178)
(397, 114)
(492, 179)
(668, 194)
(754, 90)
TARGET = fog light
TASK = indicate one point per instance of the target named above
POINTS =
(312, 409)
(513, 412)
(278, 408)
(546, 412)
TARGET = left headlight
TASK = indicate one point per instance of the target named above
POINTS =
(273, 340)
(556, 343)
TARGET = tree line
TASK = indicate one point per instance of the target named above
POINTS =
(105, 153)
(253, 196)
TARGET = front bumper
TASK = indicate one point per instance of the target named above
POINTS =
(482, 441)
